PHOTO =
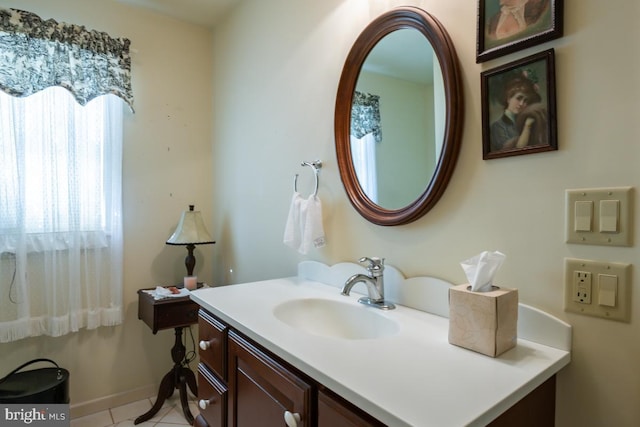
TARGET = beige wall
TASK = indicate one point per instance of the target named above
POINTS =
(277, 66)
(167, 165)
(275, 72)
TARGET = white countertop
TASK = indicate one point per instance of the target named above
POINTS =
(413, 378)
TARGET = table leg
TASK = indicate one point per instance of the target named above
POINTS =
(166, 389)
(191, 381)
(184, 401)
(178, 378)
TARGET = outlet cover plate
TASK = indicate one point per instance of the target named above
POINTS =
(624, 233)
(622, 310)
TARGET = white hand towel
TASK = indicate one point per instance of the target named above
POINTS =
(304, 229)
(312, 230)
(292, 230)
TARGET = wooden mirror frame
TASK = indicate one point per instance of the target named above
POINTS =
(436, 35)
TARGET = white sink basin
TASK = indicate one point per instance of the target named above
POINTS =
(335, 319)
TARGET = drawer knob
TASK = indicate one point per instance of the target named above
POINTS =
(291, 419)
(205, 345)
(204, 403)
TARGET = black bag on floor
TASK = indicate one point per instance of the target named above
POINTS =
(43, 385)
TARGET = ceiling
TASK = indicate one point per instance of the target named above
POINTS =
(201, 12)
(404, 54)
(401, 51)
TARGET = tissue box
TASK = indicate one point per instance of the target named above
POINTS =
(486, 322)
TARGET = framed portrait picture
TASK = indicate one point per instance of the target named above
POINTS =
(519, 107)
(506, 26)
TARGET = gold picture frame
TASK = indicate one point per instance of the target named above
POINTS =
(506, 26)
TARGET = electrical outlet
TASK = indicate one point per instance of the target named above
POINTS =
(582, 287)
(596, 288)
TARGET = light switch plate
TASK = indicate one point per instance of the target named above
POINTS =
(601, 275)
(577, 232)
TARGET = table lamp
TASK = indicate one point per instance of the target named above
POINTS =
(190, 232)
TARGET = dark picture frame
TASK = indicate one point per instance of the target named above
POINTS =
(519, 107)
(502, 30)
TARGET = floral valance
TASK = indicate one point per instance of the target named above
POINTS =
(36, 54)
(365, 115)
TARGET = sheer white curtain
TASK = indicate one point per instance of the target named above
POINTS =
(366, 131)
(60, 214)
(363, 153)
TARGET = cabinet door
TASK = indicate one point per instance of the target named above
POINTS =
(261, 390)
(335, 412)
(536, 409)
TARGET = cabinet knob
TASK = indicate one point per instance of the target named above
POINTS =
(204, 403)
(205, 345)
(291, 419)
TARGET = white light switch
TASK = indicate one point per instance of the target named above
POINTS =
(583, 213)
(599, 216)
(609, 214)
(607, 289)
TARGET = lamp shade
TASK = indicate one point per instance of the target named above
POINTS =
(190, 230)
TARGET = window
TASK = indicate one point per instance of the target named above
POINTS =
(60, 186)
(366, 131)
(52, 161)
(61, 93)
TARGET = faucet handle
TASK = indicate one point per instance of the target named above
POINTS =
(375, 265)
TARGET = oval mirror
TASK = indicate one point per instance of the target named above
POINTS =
(398, 117)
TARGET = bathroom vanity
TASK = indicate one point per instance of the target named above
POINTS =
(243, 384)
(295, 351)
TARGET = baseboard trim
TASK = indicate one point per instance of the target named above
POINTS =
(82, 409)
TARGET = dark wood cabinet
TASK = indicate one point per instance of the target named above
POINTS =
(213, 343)
(333, 411)
(537, 409)
(212, 397)
(212, 371)
(243, 385)
(262, 391)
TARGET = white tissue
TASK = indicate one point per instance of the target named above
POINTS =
(481, 269)
(161, 292)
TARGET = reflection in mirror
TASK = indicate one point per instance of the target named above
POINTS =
(397, 119)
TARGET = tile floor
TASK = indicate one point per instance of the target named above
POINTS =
(170, 415)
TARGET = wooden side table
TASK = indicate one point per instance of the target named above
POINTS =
(164, 314)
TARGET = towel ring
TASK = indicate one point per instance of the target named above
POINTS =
(316, 165)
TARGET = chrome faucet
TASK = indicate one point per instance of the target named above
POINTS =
(374, 282)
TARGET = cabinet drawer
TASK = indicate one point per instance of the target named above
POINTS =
(166, 313)
(212, 395)
(213, 343)
(176, 315)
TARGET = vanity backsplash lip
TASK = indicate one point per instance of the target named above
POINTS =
(420, 372)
